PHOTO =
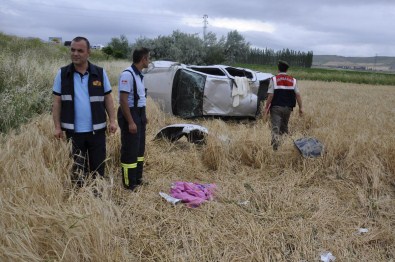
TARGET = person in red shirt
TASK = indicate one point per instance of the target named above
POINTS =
(283, 93)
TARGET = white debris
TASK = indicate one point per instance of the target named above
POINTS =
(363, 230)
(327, 256)
(244, 203)
(170, 199)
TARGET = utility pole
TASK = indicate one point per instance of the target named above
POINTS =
(205, 22)
(375, 62)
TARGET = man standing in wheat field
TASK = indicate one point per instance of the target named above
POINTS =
(82, 96)
(132, 119)
(283, 93)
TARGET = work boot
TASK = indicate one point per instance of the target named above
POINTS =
(130, 181)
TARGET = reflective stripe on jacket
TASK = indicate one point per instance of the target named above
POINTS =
(96, 94)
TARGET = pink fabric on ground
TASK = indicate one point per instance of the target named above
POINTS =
(192, 194)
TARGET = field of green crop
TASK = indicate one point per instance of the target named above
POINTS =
(332, 75)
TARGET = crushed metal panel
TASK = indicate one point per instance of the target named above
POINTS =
(218, 99)
(263, 76)
(247, 106)
(159, 81)
(194, 133)
(217, 96)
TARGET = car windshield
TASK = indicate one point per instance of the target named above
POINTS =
(187, 95)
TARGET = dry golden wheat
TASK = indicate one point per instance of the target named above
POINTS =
(270, 206)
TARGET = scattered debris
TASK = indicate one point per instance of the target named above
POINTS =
(327, 256)
(195, 134)
(193, 194)
(363, 230)
(170, 199)
(244, 203)
(309, 147)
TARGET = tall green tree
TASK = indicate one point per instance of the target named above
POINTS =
(119, 47)
(108, 51)
(215, 49)
(180, 47)
(236, 48)
(143, 42)
(188, 48)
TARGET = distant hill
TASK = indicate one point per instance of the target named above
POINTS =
(375, 63)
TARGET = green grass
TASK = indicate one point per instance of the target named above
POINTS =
(331, 75)
(27, 71)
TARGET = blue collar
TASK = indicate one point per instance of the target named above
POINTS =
(91, 69)
(137, 72)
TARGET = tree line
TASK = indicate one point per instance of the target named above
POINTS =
(271, 57)
(191, 49)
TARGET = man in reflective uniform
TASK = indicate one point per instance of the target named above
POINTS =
(132, 119)
(82, 96)
(283, 93)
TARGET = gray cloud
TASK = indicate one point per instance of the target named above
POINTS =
(348, 28)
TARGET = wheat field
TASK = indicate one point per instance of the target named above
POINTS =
(269, 206)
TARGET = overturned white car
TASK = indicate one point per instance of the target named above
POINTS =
(193, 91)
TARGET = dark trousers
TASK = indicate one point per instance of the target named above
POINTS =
(89, 153)
(132, 147)
(279, 117)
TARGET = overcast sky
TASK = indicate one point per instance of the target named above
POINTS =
(326, 27)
